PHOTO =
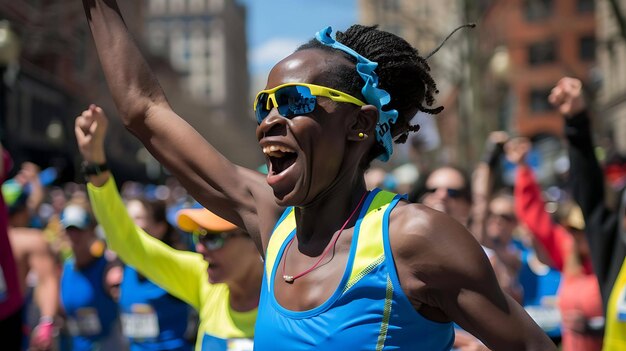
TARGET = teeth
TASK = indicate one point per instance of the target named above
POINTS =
(276, 150)
(275, 154)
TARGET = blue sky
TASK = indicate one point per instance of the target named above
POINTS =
(277, 27)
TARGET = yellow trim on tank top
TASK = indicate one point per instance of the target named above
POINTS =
(615, 330)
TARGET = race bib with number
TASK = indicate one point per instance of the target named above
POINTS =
(142, 323)
(86, 322)
(546, 317)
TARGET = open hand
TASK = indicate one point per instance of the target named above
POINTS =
(90, 129)
(567, 96)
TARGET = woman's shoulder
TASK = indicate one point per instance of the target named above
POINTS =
(420, 221)
(422, 236)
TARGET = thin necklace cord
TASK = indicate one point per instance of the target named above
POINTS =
(291, 278)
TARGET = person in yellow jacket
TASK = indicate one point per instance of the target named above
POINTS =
(226, 295)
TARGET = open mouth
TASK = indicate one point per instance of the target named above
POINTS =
(280, 157)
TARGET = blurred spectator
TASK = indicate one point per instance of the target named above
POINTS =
(494, 217)
(11, 298)
(88, 283)
(579, 295)
(152, 318)
(606, 227)
(405, 176)
(34, 257)
(222, 282)
(540, 282)
(448, 189)
(378, 177)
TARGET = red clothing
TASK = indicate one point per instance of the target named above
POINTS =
(580, 293)
(11, 299)
(576, 293)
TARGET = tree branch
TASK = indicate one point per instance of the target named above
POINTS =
(619, 17)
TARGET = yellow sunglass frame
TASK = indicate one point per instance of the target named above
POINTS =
(316, 90)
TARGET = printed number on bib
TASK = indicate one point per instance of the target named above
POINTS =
(546, 317)
(142, 323)
(85, 323)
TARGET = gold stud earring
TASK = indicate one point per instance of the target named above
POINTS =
(362, 135)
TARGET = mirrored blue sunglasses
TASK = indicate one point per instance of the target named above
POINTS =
(295, 99)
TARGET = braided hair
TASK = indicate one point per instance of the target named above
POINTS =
(402, 72)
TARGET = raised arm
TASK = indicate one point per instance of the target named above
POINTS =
(586, 175)
(587, 181)
(182, 274)
(530, 206)
(237, 194)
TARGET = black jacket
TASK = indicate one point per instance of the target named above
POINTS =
(606, 236)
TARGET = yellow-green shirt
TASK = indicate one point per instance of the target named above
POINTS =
(182, 274)
(615, 329)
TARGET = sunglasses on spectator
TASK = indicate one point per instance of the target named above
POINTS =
(509, 217)
(452, 192)
(212, 240)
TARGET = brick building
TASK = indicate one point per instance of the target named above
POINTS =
(545, 40)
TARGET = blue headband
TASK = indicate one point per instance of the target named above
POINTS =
(372, 94)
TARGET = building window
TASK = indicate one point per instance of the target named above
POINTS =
(197, 6)
(542, 53)
(537, 10)
(157, 7)
(587, 48)
(539, 100)
(391, 5)
(177, 6)
(585, 6)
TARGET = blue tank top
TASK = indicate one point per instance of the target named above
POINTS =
(368, 311)
(152, 319)
(91, 311)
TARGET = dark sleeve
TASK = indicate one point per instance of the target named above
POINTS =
(587, 180)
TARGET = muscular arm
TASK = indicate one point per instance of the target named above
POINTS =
(234, 193)
(451, 279)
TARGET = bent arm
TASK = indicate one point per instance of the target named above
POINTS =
(234, 193)
(586, 175)
(452, 275)
(588, 190)
(471, 297)
(530, 209)
(180, 273)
